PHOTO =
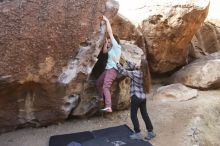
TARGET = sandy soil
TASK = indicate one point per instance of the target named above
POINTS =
(173, 123)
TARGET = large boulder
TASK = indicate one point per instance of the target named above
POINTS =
(175, 92)
(48, 50)
(202, 73)
(168, 27)
(168, 33)
(205, 41)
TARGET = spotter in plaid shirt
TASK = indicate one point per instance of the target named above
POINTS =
(136, 76)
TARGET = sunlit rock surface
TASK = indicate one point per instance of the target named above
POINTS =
(168, 26)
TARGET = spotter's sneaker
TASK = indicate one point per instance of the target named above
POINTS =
(150, 135)
(136, 136)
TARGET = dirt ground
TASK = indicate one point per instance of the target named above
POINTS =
(175, 123)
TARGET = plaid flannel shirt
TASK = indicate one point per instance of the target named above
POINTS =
(136, 76)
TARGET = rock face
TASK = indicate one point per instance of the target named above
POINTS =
(48, 50)
(202, 73)
(206, 40)
(175, 92)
